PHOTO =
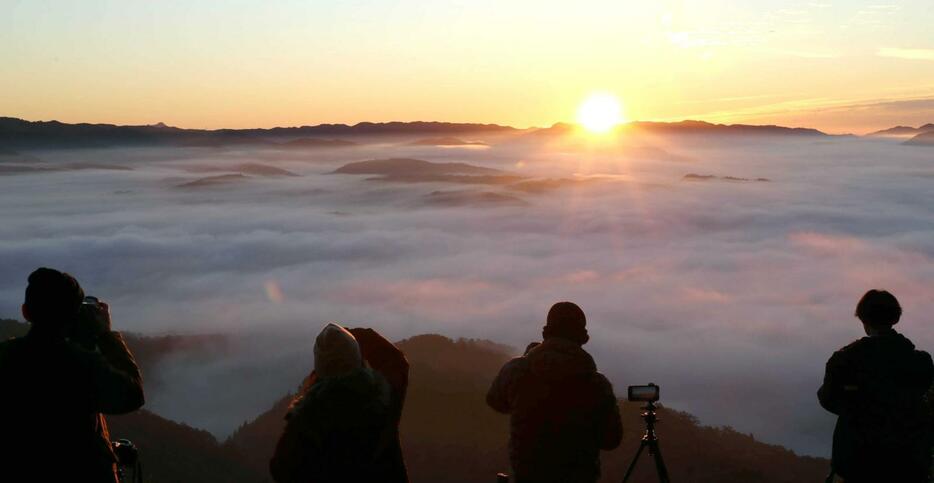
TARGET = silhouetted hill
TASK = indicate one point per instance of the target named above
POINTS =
(255, 169)
(407, 166)
(214, 181)
(903, 131)
(175, 452)
(405, 170)
(923, 139)
(470, 198)
(688, 128)
(446, 141)
(10, 328)
(450, 435)
(315, 143)
(18, 133)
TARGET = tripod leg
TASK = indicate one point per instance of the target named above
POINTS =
(659, 463)
(635, 458)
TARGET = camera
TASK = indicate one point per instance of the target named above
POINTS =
(128, 462)
(647, 393)
(126, 452)
(84, 329)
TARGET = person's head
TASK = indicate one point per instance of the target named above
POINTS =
(53, 300)
(878, 309)
(567, 321)
(336, 352)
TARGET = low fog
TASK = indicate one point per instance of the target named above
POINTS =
(729, 288)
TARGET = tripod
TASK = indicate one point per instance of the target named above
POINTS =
(650, 440)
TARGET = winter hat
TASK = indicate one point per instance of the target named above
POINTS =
(336, 352)
(566, 320)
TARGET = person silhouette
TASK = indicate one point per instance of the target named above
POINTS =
(57, 380)
(876, 387)
(344, 424)
(562, 411)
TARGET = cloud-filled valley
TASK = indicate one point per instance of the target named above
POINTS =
(729, 293)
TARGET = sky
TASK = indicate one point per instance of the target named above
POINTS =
(841, 66)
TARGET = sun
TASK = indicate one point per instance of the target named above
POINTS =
(600, 112)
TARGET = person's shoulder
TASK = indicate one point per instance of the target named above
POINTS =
(601, 382)
(514, 368)
(516, 364)
(923, 358)
(852, 349)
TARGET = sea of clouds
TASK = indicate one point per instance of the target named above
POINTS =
(729, 294)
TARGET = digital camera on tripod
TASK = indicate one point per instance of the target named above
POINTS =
(649, 395)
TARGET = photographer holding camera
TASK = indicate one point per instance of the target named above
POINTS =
(56, 382)
(563, 412)
(876, 387)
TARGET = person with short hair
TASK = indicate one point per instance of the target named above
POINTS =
(57, 380)
(562, 411)
(876, 387)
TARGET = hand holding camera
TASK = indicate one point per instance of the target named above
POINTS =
(93, 321)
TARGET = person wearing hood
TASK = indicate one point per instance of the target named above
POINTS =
(343, 426)
(876, 387)
(563, 412)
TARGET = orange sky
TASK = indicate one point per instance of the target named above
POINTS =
(853, 66)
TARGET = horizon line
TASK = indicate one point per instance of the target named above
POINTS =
(491, 124)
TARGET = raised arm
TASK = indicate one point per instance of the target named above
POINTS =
(116, 379)
(385, 358)
(500, 395)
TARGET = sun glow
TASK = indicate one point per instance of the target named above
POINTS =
(600, 112)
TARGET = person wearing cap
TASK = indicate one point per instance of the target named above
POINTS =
(562, 411)
(343, 426)
(876, 387)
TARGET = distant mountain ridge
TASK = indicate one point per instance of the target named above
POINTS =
(18, 133)
(689, 127)
(903, 131)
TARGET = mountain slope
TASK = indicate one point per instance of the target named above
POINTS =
(923, 139)
(175, 452)
(450, 435)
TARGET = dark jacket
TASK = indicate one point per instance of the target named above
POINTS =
(346, 428)
(53, 394)
(876, 386)
(563, 412)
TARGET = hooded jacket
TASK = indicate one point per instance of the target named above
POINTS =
(343, 427)
(563, 412)
(53, 394)
(876, 386)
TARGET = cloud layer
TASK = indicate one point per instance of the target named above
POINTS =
(729, 295)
